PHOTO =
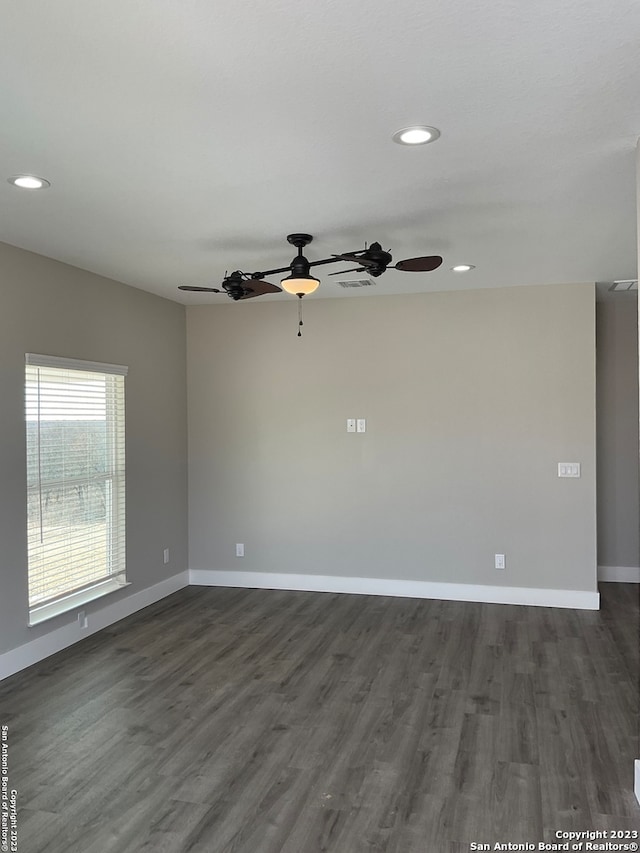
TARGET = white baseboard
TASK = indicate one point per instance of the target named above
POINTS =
(60, 638)
(636, 787)
(619, 574)
(573, 598)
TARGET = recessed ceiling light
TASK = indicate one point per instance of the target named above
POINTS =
(416, 135)
(463, 267)
(29, 182)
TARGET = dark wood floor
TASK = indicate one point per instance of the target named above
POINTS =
(225, 720)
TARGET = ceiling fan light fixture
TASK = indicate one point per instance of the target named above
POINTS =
(296, 284)
(462, 268)
(416, 135)
(29, 182)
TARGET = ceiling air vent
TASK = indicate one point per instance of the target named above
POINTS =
(359, 282)
(624, 285)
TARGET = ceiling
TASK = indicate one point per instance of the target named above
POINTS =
(186, 138)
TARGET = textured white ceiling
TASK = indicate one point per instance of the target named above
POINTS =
(183, 138)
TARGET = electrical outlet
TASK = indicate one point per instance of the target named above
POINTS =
(165, 556)
(499, 561)
(362, 425)
(351, 424)
(83, 621)
(239, 549)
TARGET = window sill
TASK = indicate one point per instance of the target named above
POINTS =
(76, 599)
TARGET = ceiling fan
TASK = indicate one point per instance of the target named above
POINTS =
(374, 260)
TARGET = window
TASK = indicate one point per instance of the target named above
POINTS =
(75, 482)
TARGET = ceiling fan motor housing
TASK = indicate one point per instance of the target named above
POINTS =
(234, 285)
(376, 260)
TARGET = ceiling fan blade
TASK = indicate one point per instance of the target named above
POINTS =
(355, 259)
(199, 289)
(344, 272)
(426, 264)
(256, 287)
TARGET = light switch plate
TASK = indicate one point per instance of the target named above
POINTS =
(362, 425)
(351, 424)
(568, 469)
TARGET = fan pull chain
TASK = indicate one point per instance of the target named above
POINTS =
(300, 323)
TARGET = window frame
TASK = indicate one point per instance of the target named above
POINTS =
(116, 578)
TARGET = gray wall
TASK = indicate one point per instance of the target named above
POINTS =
(471, 400)
(617, 419)
(51, 308)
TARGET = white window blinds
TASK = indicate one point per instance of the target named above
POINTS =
(75, 429)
